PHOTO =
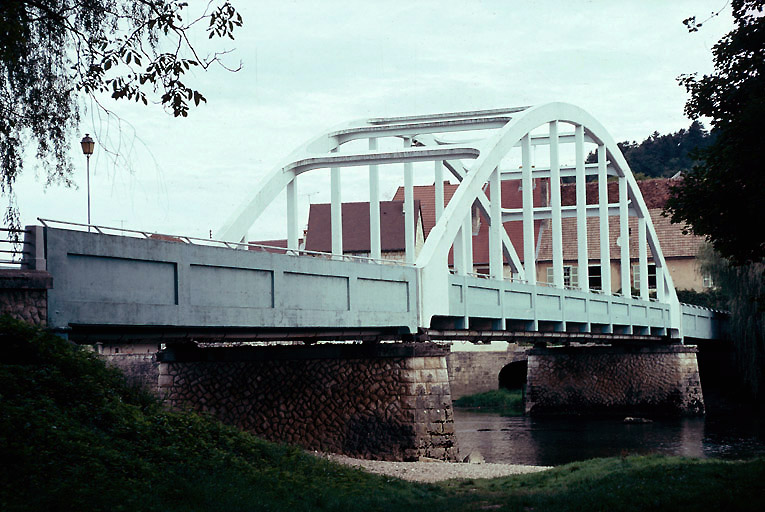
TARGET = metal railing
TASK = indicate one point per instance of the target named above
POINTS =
(108, 230)
(11, 248)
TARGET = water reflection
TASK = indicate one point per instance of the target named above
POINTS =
(554, 441)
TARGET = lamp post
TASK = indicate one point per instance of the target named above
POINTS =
(88, 145)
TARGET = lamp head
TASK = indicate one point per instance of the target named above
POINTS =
(88, 145)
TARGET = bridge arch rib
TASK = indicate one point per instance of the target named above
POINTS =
(477, 163)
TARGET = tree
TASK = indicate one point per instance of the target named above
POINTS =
(663, 155)
(742, 290)
(56, 53)
(721, 197)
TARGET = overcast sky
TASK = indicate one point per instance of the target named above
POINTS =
(311, 65)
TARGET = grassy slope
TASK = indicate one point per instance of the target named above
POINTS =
(74, 437)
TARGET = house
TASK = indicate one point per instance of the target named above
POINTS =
(356, 238)
(511, 198)
(679, 249)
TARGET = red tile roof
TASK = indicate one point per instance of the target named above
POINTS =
(166, 238)
(674, 244)
(356, 227)
(270, 245)
(512, 197)
(655, 192)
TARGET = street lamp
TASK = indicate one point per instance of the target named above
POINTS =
(88, 145)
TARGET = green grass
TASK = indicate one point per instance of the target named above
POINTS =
(627, 484)
(74, 436)
(506, 402)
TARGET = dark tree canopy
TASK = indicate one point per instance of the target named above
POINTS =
(56, 53)
(662, 156)
(722, 197)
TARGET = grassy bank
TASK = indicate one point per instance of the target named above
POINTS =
(506, 402)
(73, 436)
(629, 484)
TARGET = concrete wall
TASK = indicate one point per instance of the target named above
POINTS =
(386, 401)
(23, 295)
(628, 380)
(107, 280)
(473, 372)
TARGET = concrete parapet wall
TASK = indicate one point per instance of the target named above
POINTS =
(388, 402)
(628, 380)
(478, 372)
(24, 295)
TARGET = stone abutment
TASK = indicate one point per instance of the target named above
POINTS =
(626, 380)
(24, 295)
(381, 401)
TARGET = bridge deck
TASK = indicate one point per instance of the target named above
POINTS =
(110, 280)
(137, 287)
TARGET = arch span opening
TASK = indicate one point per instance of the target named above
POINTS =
(513, 375)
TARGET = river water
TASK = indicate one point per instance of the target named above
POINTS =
(555, 441)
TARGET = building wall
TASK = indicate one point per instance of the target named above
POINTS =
(630, 381)
(386, 401)
(684, 271)
(685, 274)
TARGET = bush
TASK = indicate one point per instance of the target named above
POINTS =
(503, 401)
(712, 298)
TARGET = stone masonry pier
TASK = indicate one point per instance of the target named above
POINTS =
(625, 380)
(24, 294)
(378, 401)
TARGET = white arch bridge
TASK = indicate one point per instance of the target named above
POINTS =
(146, 282)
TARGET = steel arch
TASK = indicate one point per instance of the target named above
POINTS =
(512, 127)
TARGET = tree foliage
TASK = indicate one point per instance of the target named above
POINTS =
(743, 292)
(662, 156)
(721, 198)
(56, 53)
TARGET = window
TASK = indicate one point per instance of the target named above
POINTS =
(570, 276)
(651, 276)
(594, 273)
(707, 282)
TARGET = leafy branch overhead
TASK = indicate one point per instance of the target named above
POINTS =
(721, 197)
(53, 51)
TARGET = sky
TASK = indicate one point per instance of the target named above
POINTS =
(308, 66)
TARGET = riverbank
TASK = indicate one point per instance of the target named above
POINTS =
(431, 471)
(79, 438)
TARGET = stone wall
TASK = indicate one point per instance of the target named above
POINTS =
(138, 361)
(629, 380)
(24, 295)
(383, 401)
(473, 372)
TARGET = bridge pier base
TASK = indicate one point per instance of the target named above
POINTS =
(625, 380)
(378, 401)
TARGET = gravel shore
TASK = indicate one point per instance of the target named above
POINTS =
(435, 470)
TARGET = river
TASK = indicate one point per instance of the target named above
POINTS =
(555, 441)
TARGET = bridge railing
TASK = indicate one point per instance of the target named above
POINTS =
(11, 248)
(137, 233)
